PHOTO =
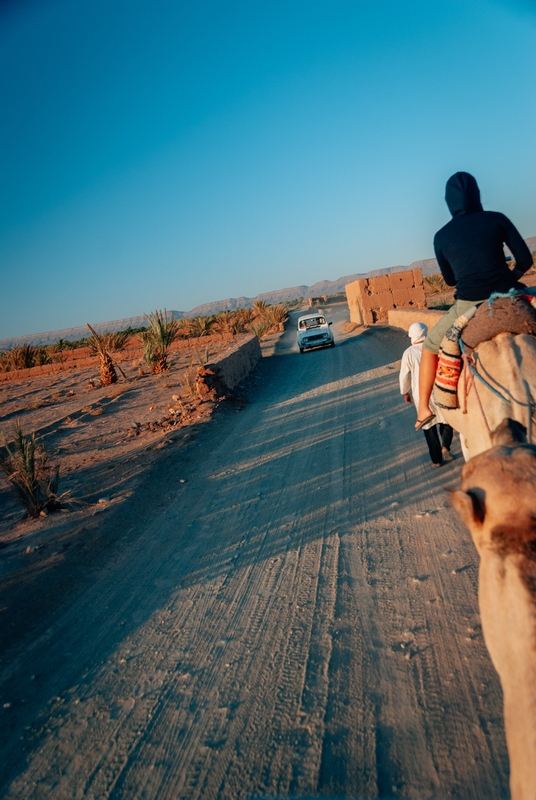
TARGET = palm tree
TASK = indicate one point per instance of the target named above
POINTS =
(158, 338)
(276, 315)
(103, 345)
(22, 357)
(259, 327)
(222, 323)
(62, 344)
(25, 465)
(259, 307)
(242, 317)
(201, 326)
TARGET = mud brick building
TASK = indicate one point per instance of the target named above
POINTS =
(371, 299)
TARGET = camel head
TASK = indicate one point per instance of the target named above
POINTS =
(497, 499)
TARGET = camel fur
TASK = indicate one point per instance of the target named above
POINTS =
(508, 363)
(497, 502)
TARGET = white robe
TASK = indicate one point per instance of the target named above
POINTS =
(409, 379)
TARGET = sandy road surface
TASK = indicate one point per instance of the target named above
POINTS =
(299, 618)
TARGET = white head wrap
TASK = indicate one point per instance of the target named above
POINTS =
(417, 332)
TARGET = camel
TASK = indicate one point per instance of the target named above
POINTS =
(508, 364)
(497, 502)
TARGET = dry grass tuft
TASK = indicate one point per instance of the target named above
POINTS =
(435, 284)
(202, 356)
(189, 380)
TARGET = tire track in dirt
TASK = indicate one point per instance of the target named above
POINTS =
(285, 626)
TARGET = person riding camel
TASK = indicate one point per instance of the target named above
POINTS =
(469, 251)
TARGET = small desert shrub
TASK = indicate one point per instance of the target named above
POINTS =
(103, 345)
(189, 380)
(202, 356)
(158, 338)
(25, 465)
(435, 284)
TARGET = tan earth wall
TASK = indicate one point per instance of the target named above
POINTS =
(404, 317)
(371, 299)
(238, 355)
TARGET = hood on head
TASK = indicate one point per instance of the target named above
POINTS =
(417, 332)
(462, 194)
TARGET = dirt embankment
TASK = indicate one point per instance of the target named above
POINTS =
(105, 439)
(282, 604)
(220, 346)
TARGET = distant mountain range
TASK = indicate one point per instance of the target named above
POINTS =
(428, 266)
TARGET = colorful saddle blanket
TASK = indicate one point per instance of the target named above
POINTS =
(514, 312)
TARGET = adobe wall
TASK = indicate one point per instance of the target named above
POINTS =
(404, 317)
(371, 299)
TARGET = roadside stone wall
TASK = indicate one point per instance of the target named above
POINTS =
(371, 299)
(233, 366)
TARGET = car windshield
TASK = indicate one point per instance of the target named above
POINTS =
(313, 322)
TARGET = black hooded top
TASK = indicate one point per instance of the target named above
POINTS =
(469, 248)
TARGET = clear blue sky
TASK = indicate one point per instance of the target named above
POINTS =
(173, 153)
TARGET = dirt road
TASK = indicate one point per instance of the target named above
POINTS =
(298, 618)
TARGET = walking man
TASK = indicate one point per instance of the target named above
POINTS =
(438, 437)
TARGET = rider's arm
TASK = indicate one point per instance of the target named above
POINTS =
(518, 247)
(446, 269)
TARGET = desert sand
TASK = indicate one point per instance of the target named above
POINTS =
(274, 601)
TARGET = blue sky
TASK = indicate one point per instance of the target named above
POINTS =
(173, 153)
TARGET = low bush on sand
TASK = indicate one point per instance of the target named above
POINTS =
(435, 284)
(189, 381)
(25, 465)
